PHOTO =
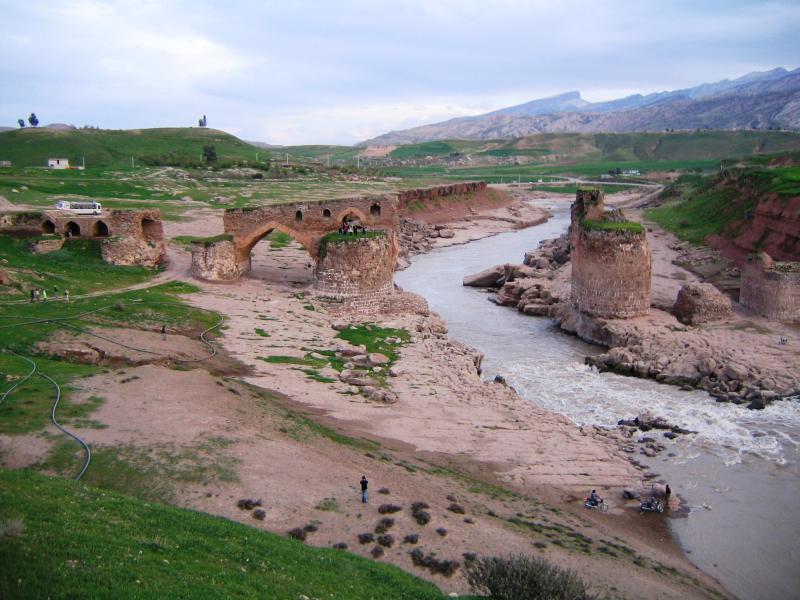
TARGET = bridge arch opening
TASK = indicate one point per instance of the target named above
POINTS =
(48, 227)
(298, 216)
(72, 229)
(151, 230)
(100, 229)
(279, 255)
(326, 213)
(375, 210)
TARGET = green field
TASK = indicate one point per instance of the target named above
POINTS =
(67, 540)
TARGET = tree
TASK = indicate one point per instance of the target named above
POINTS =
(210, 154)
(33, 120)
(21, 122)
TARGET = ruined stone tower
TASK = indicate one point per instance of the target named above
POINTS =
(610, 260)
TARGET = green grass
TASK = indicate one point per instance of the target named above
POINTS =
(205, 241)
(261, 332)
(374, 338)
(78, 267)
(83, 542)
(422, 150)
(616, 226)
(345, 238)
(572, 188)
(278, 239)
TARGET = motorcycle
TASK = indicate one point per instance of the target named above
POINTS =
(602, 506)
(652, 505)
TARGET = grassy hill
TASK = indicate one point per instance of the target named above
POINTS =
(31, 147)
(63, 539)
(623, 147)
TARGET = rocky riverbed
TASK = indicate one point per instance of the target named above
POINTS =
(720, 346)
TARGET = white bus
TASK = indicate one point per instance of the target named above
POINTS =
(80, 208)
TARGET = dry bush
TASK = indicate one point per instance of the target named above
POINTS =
(523, 576)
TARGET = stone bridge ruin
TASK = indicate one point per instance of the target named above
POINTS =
(128, 237)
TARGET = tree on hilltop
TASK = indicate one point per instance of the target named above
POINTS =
(33, 120)
(21, 122)
(210, 154)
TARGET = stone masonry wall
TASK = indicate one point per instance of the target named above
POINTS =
(772, 289)
(610, 268)
(358, 267)
(138, 238)
(439, 191)
(216, 262)
(611, 274)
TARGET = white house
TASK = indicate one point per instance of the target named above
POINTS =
(58, 163)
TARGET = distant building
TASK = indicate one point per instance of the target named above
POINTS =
(57, 163)
(630, 172)
(5, 163)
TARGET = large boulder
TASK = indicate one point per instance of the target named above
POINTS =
(701, 303)
(488, 278)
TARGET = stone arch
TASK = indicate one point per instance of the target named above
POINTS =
(72, 229)
(375, 210)
(244, 247)
(326, 213)
(151, 230)
(351, 212)
(100, 229)
(48, 226)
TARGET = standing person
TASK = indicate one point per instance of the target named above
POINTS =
(66, 295)
(364, 494)
(163, 332)
(44, 295)
(36, 295)
(55, 292)
(33, 294)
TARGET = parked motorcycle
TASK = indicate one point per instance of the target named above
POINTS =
(652, 505)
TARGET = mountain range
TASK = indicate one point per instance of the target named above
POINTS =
(759, 100)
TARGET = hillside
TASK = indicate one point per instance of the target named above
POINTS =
(615, 146)
(758, 100)
(68, 540)
(739, 211)
(32, 147)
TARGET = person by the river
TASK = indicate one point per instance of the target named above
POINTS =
(594, 499)
(364, 485)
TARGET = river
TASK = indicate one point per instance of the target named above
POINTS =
(739, 475)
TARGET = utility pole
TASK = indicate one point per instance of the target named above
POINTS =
(358, 162)
(329, 161)
(287, 159)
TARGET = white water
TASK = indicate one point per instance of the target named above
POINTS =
(742, 464)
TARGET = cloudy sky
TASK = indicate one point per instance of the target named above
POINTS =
(300, 72)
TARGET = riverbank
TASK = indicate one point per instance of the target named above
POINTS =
(290, 427)
(738, 358)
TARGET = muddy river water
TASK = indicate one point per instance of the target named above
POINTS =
(739, 475)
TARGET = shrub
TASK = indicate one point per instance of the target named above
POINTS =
(384, 525)
(365, 538)
(340, 546)
(259, 514)
(297, 533)
(523, 576)
(386, 540)
(310, 528)
(384, 491)
(434, 565)
(456, 508)
(389, 508)
(442, 531)
(411, 538)
(376, 552)
(422, 517)
(469, 558)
